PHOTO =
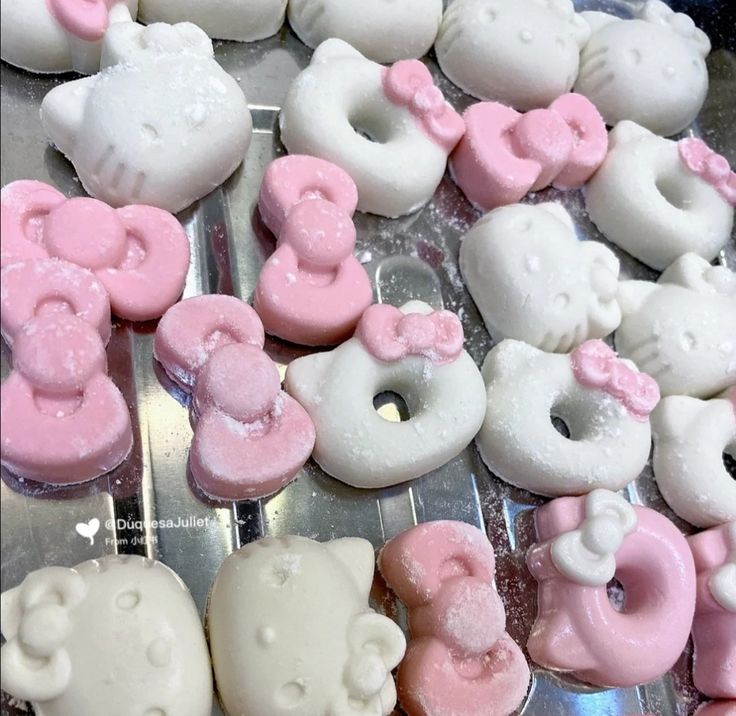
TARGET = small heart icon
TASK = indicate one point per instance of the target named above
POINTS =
(88, 530)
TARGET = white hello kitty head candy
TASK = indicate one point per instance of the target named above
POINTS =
(650, 69)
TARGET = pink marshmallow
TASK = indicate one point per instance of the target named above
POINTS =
(139, 253)
(312, 290)
(505, 154)
(64, 421)
(460, 659)
(87, 20)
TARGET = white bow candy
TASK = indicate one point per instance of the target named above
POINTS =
(587, 555)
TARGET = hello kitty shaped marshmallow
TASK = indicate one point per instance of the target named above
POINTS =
(307, 642)
(382, 31)
(164, 127)
(312, 290)
(658, 199)
(583, 543)
(682, 329)
(250, 438)
(649, 69)
(504, 154)
(690, 439)
(714, 628)
(51, 36)
(414, 351)
(139, 253)
(460, 660)
(523, 53)
(534, 280)
(603, 401)
(63, 419)
(111, 631)
(390, 128)
(221, 19)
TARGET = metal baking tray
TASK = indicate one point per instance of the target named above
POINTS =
(149, 505)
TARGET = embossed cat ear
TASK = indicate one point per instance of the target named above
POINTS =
(504, 360)
(632, 294)
(626, 131)
(694, 272)
(334, 49)
(596, 20)
(559, 212)
(357, 557)
(660, 13)
(62, 112)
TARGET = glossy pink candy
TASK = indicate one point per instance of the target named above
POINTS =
(63, 419)
(85, 19)
(504, 154)
(577, 628)
(595, 365)
(42, 287)
(390, 335)
(408, 83)
(700, 159)
(312, 290)
(460, 660)
(139, 253)
(250, 438)
(714, 628)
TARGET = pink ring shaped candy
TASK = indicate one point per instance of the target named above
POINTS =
(139, 253)
(64, 421)
(460, 660)
(193, 329)
(714, 627)
(42, 287)
(583, 543)
(312, 290)
(505, 154)
(250, 437)
(85, 19)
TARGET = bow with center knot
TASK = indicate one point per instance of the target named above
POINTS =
(712, 168)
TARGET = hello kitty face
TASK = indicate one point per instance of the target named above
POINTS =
(650, 69)
(523, 53)
(682, 329)
(163, 128)
(533, 280)
(306, 642)
(69, 630)
(36, 38)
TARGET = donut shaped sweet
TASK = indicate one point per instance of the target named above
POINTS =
(418, 354)
(534, 280)
(124, 128)
(690, 438)
(583, 543)
(523, 53)
(53, 36)
(649, 69)
(682, 329)
(603, 401)
(64, 421)
(193, 329)
(312, 290)
(139, 253)
(382, 31)
(69, 630)
(221, 19)
(714, 628)
(390, 129)
(658, 199)
(292, 650)
(504, 154)
(460, 660)
(42, 287)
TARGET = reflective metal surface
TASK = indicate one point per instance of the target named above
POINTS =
(149, 505)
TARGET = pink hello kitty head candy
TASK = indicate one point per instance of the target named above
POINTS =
(312, 290)
(139, 253)
(64, 421)
(505, 154)
(460, 659)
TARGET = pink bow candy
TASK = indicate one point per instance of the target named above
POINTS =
(85, 19)
(390, 335)
(408, 83)
(700, 159)
(505, 154)
(595, 365)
